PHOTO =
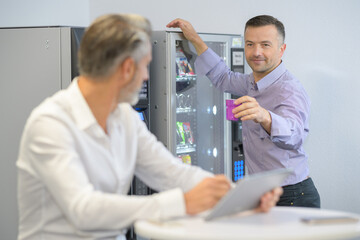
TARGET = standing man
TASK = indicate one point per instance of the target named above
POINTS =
(81, 148)
(274, 105)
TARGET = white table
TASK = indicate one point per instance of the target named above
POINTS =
(279, 223)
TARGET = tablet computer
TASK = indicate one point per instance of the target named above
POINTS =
(247, 193)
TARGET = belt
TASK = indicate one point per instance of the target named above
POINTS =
(307, 178)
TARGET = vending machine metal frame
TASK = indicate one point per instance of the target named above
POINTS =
(163, 97)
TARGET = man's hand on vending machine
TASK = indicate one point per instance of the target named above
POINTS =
(189, 33)
(206, 194)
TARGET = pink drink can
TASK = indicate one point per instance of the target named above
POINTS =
(230, 105)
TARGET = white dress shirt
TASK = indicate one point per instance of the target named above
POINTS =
(73, 178)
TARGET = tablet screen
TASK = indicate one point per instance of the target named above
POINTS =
(247, 193)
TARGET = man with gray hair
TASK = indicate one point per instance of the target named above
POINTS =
(81, 148)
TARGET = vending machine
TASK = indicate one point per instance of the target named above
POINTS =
(35, 62)
(238, 157)
(187, 111)
(142, 107)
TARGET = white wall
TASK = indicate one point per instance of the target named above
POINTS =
(322, 51)
(25, 13)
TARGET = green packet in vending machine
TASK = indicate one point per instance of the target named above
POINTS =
(180, 133)
(188, 133)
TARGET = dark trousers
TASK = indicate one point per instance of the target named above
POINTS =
(302, 194)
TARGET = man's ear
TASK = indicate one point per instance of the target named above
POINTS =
(127, 70)
(282, 49)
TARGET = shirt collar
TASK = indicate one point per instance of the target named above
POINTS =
(81, 111)
(115, 116)
(273, 76)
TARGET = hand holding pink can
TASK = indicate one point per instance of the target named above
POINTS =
(230, 105)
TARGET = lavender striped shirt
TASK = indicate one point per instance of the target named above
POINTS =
(285, 98)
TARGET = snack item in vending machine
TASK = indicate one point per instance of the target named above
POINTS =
(183, 66)
(188, 133)
(180, 132)
(185, 158)
(180, 71)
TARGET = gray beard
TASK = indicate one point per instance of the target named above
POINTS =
(135, 99)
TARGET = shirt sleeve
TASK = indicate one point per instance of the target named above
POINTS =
(160, 169)
(51, 152)
(289, 126)
(214, 67)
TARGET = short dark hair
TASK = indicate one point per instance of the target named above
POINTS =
(264, 20)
